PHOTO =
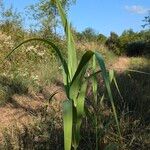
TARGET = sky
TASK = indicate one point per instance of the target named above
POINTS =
(102, 15)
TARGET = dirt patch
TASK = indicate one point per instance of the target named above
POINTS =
(23, 110)
(19, 111)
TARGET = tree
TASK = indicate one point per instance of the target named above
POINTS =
(11, 21)
(10, 16)
(89, 34)
(101, 38)
(46, 15)
(113, 43)
(147, 21)
(127, 37)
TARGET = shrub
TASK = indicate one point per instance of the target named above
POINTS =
(113, 43)
(147, 48)
(135, 48)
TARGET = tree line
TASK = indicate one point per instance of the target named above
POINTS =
(46, 22)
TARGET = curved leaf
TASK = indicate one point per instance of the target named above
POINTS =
(83, 62)
(79, 75)
(107, 84)
(47, 42)
(113, 79)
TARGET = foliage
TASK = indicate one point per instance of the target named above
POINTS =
(144, 35)
(101, 38)
(135, 48)
(127, 37)
(129, 43)
(113, 43)
(74, 107)
(134, 43)
(133, 111)
(147, 21)
(90, 35)
(45, 14)
(10, 16)
(6, 43)
(11, 22)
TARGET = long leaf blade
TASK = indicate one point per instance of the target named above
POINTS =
(113, 79)
(79, 115)
(64, 64)
(68, 123)
(72, 56)
(107, 84)
(79, 75)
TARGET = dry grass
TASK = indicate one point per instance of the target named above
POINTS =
(121, 64)
(26, 110)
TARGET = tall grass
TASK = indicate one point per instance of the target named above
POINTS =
(75, 82)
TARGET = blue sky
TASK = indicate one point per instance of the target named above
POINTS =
(102, 15)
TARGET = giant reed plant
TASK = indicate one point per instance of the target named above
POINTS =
(75, 82)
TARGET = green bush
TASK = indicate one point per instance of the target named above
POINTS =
(135, 48)
(113, 43)
(147, 49)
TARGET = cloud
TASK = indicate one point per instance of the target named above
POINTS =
(137, 9)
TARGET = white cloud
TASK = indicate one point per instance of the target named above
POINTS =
(137, 9)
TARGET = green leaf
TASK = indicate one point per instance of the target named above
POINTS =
(78, 117)
(68, 123)
(113, 79)
(65, 67)
(107, 84)
(111, 75)
(58, 52)
(72, 57)
(137, 71)
(94, 80)
(83, 62)
(79, 75)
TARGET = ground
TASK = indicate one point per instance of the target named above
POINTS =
(22, 109)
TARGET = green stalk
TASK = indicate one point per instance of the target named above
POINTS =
(94, 85)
